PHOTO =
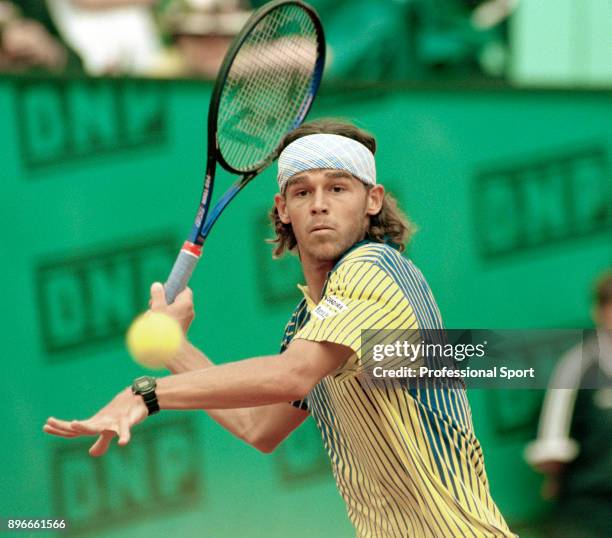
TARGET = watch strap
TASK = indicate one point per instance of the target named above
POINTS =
(150, 400)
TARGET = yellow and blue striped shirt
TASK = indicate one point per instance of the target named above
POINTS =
(406, 460)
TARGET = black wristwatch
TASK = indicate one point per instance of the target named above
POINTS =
(145, 387)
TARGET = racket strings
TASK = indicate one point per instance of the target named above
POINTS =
(267, 84)
(270, 69)
(265, 49)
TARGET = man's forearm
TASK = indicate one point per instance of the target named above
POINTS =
(188, 358)
(253, 382)
(237, 421)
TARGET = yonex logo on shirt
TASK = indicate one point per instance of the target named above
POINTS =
(330, 306)
(334, 302)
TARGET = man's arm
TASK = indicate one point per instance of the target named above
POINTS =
(259, 381)
(254, 382)
(263, 427)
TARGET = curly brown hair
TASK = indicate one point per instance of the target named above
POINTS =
(390, 225)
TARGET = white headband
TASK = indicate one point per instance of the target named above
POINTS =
(326, 151)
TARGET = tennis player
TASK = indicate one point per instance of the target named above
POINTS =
(405, 459)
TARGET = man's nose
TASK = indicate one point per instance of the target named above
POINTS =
(319, 202)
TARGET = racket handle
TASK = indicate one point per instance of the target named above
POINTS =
(181, 271)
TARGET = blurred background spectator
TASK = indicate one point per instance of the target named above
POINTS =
(111, 36)
(29, 39)
(200, 33)
(526, 42)
(573, 446)
(167, 38)
(413, 39)
(397, 40)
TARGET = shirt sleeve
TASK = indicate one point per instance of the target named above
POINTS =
(360, 300)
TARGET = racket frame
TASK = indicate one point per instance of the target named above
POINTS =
(206, 217)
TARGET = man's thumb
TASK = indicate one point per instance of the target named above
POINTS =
(158, 295)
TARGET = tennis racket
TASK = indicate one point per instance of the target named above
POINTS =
(264, 89)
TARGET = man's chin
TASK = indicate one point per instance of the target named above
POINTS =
(327, 251)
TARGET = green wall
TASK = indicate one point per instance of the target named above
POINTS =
(100, 180)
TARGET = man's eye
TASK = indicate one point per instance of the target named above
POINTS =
(299, 194)
(338, 188)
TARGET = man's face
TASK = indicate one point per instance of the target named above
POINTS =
(328, 210)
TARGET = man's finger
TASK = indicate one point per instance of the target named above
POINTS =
(101, 445)
(88, 427)
(64, 426)
(124, 432)
(60, 433)
(185, 296)
(183, 302)
(158, 296)
(59, 424)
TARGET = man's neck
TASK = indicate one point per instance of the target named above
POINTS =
(315, 273)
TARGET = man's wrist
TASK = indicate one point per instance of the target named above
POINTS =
(137, 399)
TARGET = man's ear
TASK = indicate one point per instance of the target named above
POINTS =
(376, 195)
(281, 206)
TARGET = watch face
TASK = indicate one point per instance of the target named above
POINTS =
(143, 384)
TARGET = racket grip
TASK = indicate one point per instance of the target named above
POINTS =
(182, 270)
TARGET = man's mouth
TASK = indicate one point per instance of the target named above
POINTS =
(320, 227)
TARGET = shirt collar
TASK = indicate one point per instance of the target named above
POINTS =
(304, 289)
(310, 304)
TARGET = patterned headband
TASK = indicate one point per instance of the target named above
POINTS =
(326, 151)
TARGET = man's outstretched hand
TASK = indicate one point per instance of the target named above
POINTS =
(125, 410)
(115, 419)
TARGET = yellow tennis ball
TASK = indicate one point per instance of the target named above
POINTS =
(153, 339)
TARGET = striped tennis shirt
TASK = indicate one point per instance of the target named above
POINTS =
(405, 459)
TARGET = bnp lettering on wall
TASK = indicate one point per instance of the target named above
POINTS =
(91, 297)
(158, 472)
(64, 120)
(526, 204)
